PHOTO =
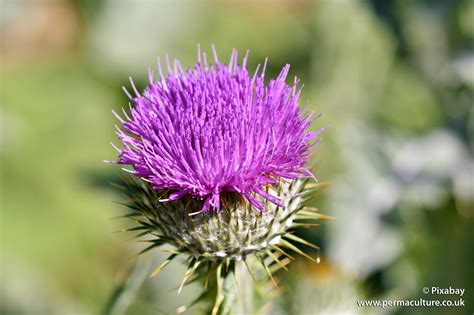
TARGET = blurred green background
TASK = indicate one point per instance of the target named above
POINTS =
(394, 79)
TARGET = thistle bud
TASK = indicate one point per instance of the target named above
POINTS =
(218, 162)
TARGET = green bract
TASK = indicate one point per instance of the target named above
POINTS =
(214, 243)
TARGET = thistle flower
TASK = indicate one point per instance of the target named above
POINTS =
(216, 129)
(218, 160)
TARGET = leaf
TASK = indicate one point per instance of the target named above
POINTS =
(127, 290)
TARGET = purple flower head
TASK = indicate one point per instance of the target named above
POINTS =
(215, 129)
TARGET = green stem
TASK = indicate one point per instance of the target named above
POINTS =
(238, 292)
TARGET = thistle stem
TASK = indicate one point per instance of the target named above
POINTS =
(238, 293)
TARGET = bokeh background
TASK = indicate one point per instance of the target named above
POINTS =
(393, 79)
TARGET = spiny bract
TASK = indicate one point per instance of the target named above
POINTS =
(214, 243)
(233, 233)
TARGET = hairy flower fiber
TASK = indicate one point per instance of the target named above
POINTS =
(215, 129)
